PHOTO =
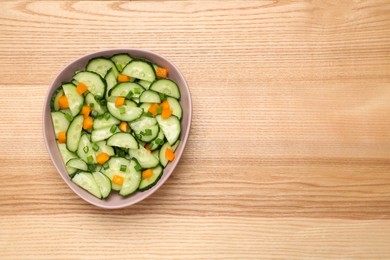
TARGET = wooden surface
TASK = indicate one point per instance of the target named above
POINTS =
(289, 153)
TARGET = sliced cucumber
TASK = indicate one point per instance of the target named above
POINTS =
(148, 183)
(121, 60)
(111, 81)
(166, 87)
(150, 96)
(114, 168)
(101, 66)
(145, 106)
(60, 122)
(123, 140)
(75, 100)
(66, 156)
(132, 180)
(170, 127)
(104, 148)
(145, 128)
(74, 133)
(96, 84)
(77, 164)
(85, 151)
(144, 157)
(156, 153)
(175, 145)
(123, 89)
(163, 159)
(103, 182)
(103, 133)
(144, 83)
(128, 112)
(140, 70)
(55, 98)
(158, 141)
(86, 181)
(101, 122)
(91, 102)
(175, 106)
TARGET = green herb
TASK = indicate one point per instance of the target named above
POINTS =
(68, 117)
(148, 114)
(162, 96)
(106, 116)
(123, 168)
(92, 105)
(91, 167)
(113, 129)
(90, 159)
(86, 149)
(138, 167)
(103, 102)
(159, 141)
(137, 90)
(130, 95)
(121, 153)
(94, 113)
(120, 67)
(142, 133)
(148, 132)
(95, 147)
(159, 110)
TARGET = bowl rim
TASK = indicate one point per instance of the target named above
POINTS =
(46, 109)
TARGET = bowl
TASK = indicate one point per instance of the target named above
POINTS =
(115, 200)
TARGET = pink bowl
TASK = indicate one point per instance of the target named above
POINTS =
(115, 200)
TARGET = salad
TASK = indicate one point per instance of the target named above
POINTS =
(117, 124)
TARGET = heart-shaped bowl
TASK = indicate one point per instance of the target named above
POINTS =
(115, 200)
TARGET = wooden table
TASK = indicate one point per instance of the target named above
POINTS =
(289, 153)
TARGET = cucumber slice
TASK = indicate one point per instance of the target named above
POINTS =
(156, 154)
(85, 151)
(175, 145)
(60, 122)
(96, 84)
(163, 160)
(129, 110)
(145, 128)
(104, 148)
(144, 83)
(170, 127)
(140, 70)
(114, 168)
(144, 157)
(123, 140)
(121, 60)
(148, 183)
(74, 133)
(167, 87)
(111, 81)
(150, 96)
(145, 106)
(103, 134)
(123, 89)
(104, 184)
(157, 142)
(55, 97)
(77, 164)
(101, 122)
(66, 156)
(132, 180)
(90, 99)
(101, 66)
(86, 181)
(175, 106)
(75, 100)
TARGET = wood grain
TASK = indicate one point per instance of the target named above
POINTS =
(289, 151)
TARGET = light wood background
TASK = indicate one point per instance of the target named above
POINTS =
(289, 153)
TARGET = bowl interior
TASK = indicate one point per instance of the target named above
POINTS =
(115, 200)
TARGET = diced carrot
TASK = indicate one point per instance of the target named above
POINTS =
(119, 101)
(62, 137)
(161, 72)
(147, 173)
(153, 109)
(102, 158)
(169, 154)
(87, 124)
(81, 88)
(117, 179)
(166, 113)
(124, 127)
(123, 78)
(85, 111)
(63, 101)
(147, 148)
(165, 105)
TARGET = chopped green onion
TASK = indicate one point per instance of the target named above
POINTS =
(68, 117)
(97, 99)
(138, 136)
(148, 132)
(106, 166)
(120, 67)
(91, 167)
(113, 129)
(122, 110)
(142, 133)
(121, 153)
(148, 114)
(86, 149)
(90, 159)
(138, 167)
(159, 141)
(137, 90)
(130, 95)
(159, 110)
(106, 116)
(92, 105)
(94, 113)
(123, 168)
(95, 147)
(103, 102)
(162, 96)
